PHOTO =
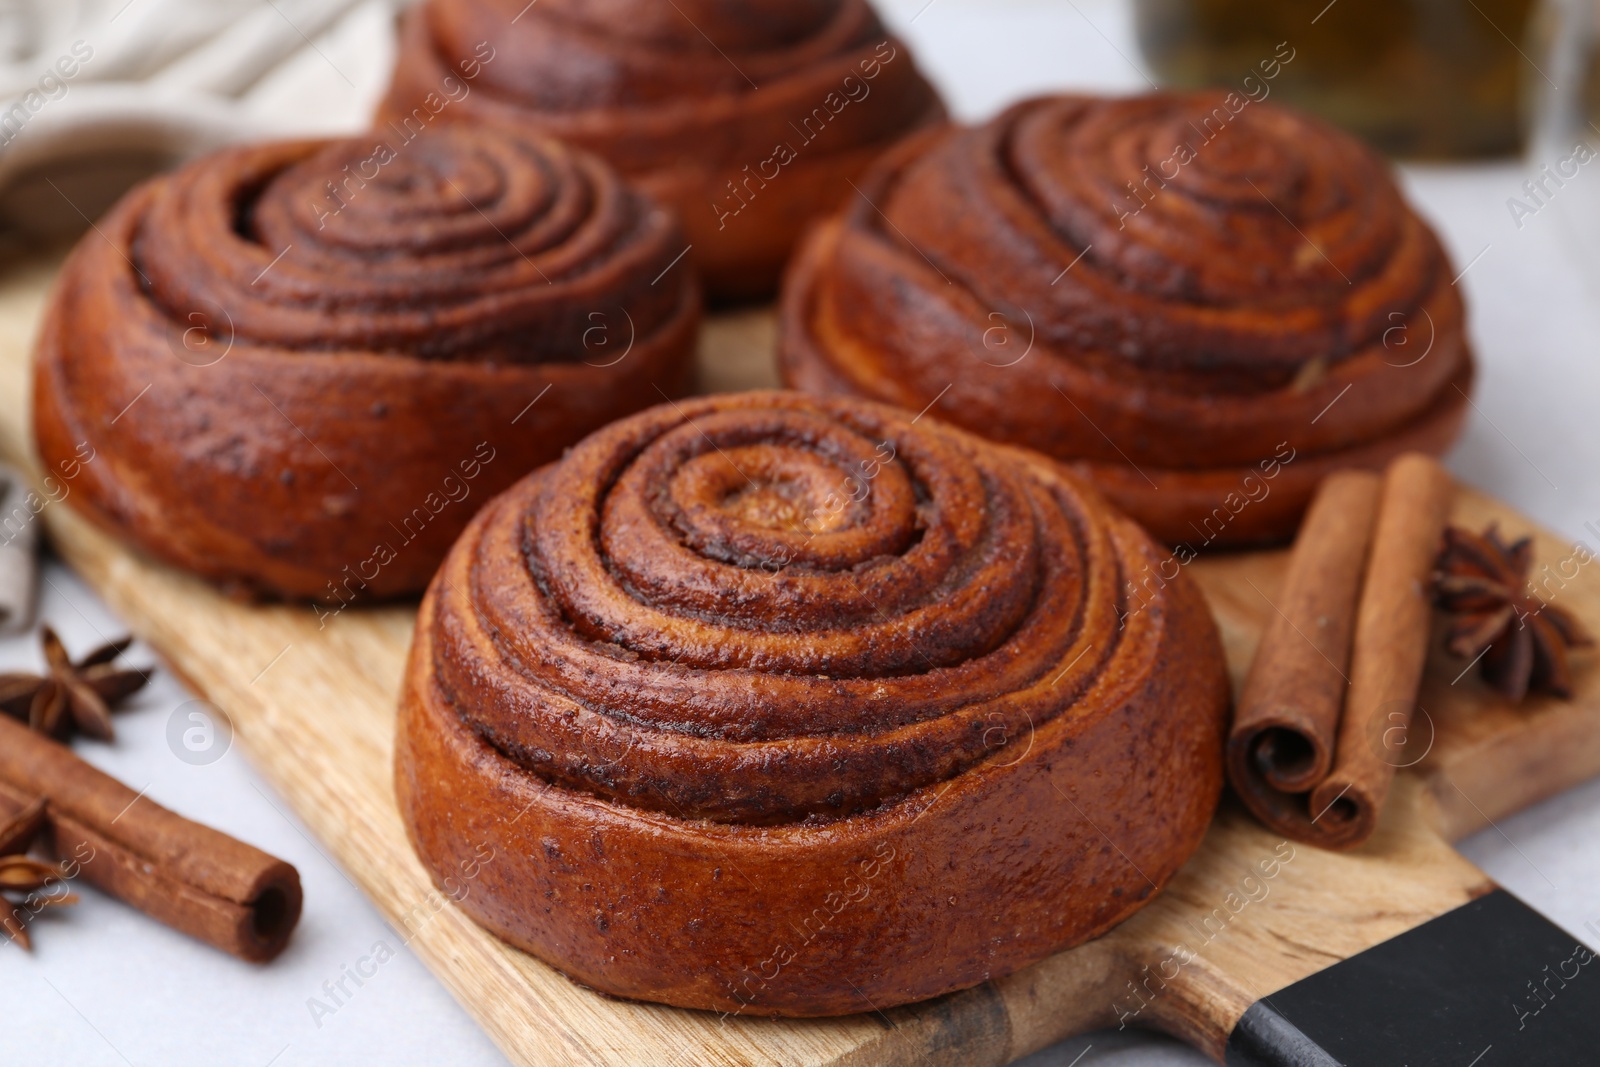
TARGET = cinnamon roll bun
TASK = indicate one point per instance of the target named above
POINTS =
(1202, 303)
(786, 705)
(747, 119)
(298, 368)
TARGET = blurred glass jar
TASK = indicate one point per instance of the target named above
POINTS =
(1418, 79)
(1565, 92)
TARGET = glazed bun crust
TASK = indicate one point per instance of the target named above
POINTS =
(747, 119)
(1176, 298)
(754, 664)
(299, 367)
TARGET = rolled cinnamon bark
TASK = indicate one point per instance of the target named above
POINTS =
(1391, 646)
(195, 879)
(1284, 731)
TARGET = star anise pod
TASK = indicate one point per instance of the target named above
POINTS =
(1481, 581)
(21, 875)
(72, 695)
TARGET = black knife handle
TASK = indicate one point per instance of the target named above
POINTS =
(1491, 984)
(1263, 1038)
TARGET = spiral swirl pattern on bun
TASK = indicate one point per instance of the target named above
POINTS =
(731, 651)
(747, 119)
(299, 367)
(1188, 296)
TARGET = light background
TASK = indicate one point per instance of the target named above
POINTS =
(105, 986)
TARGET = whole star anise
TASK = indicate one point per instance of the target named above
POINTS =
(1482, 582)
(20, 874)
(71, 695)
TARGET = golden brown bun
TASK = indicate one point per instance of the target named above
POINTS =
(300, 367)
(1203, 306)
(774, 704)
(747, 119)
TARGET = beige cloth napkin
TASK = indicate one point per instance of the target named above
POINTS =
(95, 94)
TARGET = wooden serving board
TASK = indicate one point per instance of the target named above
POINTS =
(314, 709)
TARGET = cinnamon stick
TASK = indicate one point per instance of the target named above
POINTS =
(1286, 725)
(193, 878)
(1390, 649)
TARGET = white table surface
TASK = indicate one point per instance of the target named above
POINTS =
(106, 986)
